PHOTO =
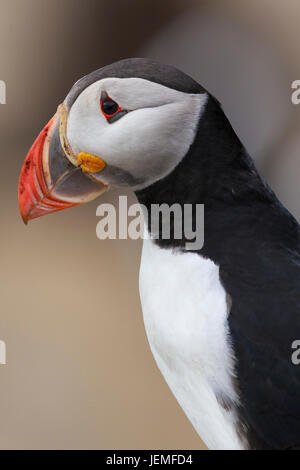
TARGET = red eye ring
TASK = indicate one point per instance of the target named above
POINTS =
(109, 107)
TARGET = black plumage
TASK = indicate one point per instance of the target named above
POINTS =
(255, 241)
(138, 68)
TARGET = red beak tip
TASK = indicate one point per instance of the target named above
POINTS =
(24, 220)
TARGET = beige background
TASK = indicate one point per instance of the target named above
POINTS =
(80, 373)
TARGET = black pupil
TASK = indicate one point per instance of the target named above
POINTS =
(110, 107)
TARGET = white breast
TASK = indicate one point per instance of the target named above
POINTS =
(185, 313)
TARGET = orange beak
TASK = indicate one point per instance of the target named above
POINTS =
(52, 179)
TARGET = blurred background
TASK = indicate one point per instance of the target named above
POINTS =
(79, 373)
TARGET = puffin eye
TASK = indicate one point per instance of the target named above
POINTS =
(110, 107)
(111, 110)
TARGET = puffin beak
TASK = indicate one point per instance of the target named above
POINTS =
(52, 177)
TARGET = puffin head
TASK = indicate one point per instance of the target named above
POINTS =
(126, 124)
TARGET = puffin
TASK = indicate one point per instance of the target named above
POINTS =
(220, 319)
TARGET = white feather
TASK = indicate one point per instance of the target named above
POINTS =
(185, 313)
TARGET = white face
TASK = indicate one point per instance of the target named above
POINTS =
(143, 145)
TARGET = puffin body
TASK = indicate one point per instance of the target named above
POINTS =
(220, 319)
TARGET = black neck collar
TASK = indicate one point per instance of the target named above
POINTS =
(216, 172)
